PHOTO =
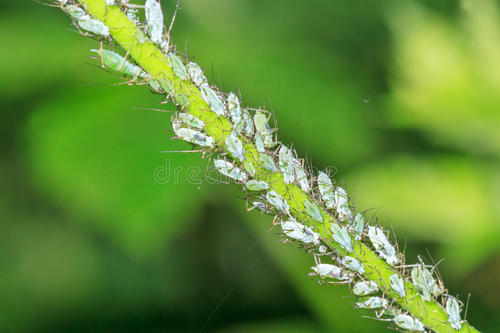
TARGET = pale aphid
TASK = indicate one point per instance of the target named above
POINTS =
(154, 20)
(453, 311)
(117, 63)
(364, 288)
(409, 323)
(259, 143)
(353, 264)
(277, 201)
(178, 66)
(301, 176)
(196, 74)
(247, 120)
(262, 128)
(74, 11)
(234, 108)
(133, 15)
(286, 161)
(342, 237)
(235, 146)
(193, 136)
(322, 249)
(425, 283)
(341, 203)
(313, 211)
(298, 231)
(398, 284)
(86, 22)
(382, 245)
(229, 170)
(249, 167)
(268, 162)
(327, 270)
(256, 185)
(211, 97)
(373, 302)
(326, 189)
(358, 226)
(190, 120)
(110, 2)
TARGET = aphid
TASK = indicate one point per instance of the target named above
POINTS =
(178, 66)
(301, 176)
(322, 249)
(110, 2)
(247, 120)
(358, 226)
(262, 128)
(259, 143)
(74, 11)
(249, 167)
(326, 189)
(286, 160)
(190, 120)
(262, 206)
(327, 270)
(364, 288)
(133, 15)
(195, 137)
(453, 311)
(398, 284)
(267, 162)
(256, 185)
(196, 74)
(91, 25)
(235, 146)
(298, 231)
(341, 236)
(373, 302)
(341, 199)
(277, 201)
(210, 96)
(313, 211)
(117, 63)
(382, 245)
(353, 264)
(408, 323)
(229, 170)
(235, 111)
(154, 19)
(425, 283)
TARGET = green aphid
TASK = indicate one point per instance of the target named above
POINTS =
(196, 74)
(277, 201)
(259, 143)
(353, 264)
(397, 284)
(364, 288)
(358, 226)
(425, 283)
(248, 123)
(301, 176)
(178, 66)
(190, 120)
(286, 161)
(211, 97)
(230, 170)
(262, 128)
(268, 162)
(118, 63)
(75, 11)
(326, 189)
(256, 185)
(342, 237)
(249, 167)
(313, 211)
(235, 146)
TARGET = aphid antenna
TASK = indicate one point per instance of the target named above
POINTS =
(183, 151)
(177, 7)
(153, 109)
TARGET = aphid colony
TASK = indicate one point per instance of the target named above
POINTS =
(250, 127)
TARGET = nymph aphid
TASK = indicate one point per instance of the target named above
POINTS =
(277, 201)
(425, 283)
(154, 20)
(229, 170)
(235, 146)
(196, 74)
(84, 21)
(341, 203)
(191, 135)
(382, 245)
(342, 237)
(327, 270)
(313, 211)
(268, 162)
(300, 232)
(373, 302)
(358, 226)
(178, 66)
(364, 288)
(326, 189)
(262, 128)
(247, 120)
(215, 102)
(301, 176)
(256, 185)
(286, 161)
(353, 264)
(117, 63)
(408, 323)
(453, 311)
(397, 284)
(190, 120)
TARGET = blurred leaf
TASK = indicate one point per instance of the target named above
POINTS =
(100, 159)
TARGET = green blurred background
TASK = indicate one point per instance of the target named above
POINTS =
(401, 97)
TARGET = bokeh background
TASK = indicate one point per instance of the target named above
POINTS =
(100, 231)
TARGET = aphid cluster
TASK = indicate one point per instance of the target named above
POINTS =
(250, 151)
